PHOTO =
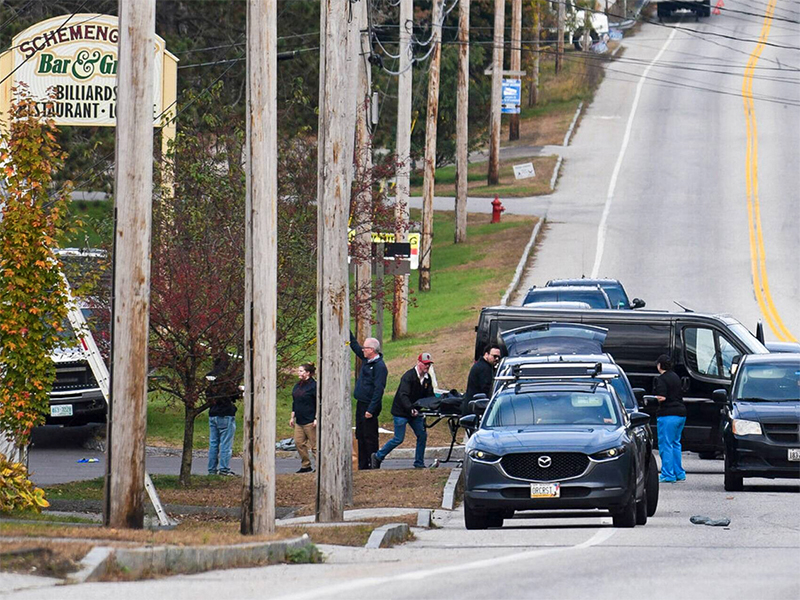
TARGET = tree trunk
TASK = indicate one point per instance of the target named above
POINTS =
(189, 415)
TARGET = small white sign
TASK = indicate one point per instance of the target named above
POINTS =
(524, 171)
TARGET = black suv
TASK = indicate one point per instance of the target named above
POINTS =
(762, 420)
(703, 349)
(556, 436)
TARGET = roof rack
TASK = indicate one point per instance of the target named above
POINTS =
(556, 371)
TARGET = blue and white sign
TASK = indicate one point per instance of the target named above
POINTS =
(512, 95)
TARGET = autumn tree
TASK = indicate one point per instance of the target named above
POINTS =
(32, 291)
(197, 279)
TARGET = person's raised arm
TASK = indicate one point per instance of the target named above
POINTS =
(356, 347)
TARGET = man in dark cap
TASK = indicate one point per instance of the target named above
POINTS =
(414, 384)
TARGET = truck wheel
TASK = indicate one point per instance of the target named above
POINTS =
(495, 519)
(652, 486)
(733, 481)
(706, 8)
(578, 39)
(662, 11)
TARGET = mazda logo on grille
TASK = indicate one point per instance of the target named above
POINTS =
(545, 462)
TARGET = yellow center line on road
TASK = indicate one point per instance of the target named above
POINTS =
(758, 263)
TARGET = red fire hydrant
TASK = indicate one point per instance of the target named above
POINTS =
(497, 209)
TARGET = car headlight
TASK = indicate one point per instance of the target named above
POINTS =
(483, 456)
(744, 427)
(609, 454)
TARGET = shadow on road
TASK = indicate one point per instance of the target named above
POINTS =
(54, 436)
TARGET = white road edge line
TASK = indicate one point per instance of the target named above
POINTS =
(330, 591)
(603, 226)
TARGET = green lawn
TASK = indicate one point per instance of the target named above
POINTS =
(95, 217)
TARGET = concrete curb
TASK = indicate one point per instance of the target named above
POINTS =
(572, 125)
(523, 262)
(449, 497)
(557, 168)
(387, 534)
(424, 518)
(431, 453)
(137, 562)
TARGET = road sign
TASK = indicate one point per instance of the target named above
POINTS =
(388, 238)
(524, 171)
(512, 95)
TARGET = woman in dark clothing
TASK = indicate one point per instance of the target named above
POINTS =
(671, 418)
(304, 415)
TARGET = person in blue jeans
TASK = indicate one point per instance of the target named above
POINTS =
(414, 384)
(671, 417)
(221, 394)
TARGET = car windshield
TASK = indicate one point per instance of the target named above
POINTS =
(552, 408)
(592, 297)
(779, 382)
(747, 338)
(616, 295)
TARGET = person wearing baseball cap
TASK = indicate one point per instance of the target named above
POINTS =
(414, 384)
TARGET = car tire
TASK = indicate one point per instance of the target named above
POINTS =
(641, 508)
(707, 455)
(495, 519)
(662, 12)
(733, 481)
(508, 513)
(474, 519)
(626, 517)
(652, 486)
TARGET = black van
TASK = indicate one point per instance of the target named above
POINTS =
(702, 348)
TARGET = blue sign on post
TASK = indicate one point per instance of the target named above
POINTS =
(512, 96)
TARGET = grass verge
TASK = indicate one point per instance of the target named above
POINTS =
(508, 186)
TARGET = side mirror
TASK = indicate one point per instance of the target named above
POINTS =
(638, 419)
(638, 303)
(649, 400)
(478, 406)
(719, 396)
(469, 422)
(639, 393)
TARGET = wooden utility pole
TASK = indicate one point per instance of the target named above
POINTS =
(561, 14)
(127, 415)
(339, 58)
(462, 123)
(261, 255)
(516, 59)
(363, 203)
(533, 88)
(429, 175)
(403, 145)
(497, 91)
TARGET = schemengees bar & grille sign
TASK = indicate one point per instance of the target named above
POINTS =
(76, 57)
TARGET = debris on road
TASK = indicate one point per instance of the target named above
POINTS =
(703, 520)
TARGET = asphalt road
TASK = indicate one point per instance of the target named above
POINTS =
(541, 555)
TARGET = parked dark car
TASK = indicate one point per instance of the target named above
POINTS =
(580, 345)
(612, 287)
(762, 420)
(556, 436)
(702, 347)
(593, 296)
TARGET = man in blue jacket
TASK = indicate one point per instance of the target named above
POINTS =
(368, 394)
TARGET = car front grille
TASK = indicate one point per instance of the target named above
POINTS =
(783, 433)
(563, 465)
